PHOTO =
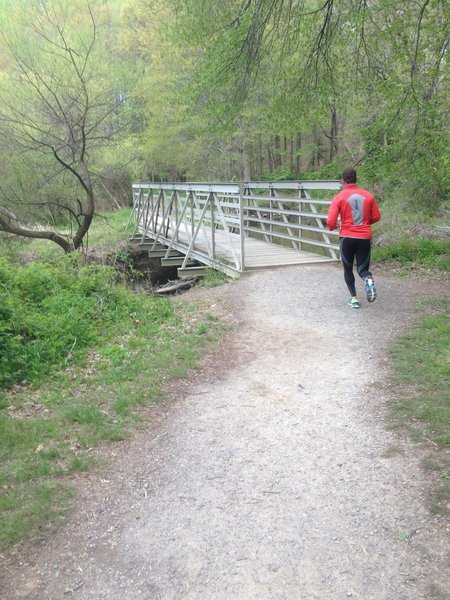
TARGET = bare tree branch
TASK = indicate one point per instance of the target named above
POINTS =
(63, 113)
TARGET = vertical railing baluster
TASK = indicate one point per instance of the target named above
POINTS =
(213, 226)
(300, 218)
(241, 227)
(193, 200)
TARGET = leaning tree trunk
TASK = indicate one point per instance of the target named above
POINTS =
(89, 209)
(10, 224)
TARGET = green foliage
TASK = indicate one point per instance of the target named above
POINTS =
(50, 314)
(331, 170)
(213, 278)
(109, 232)
(417, 253)
(280, 174)
(283, 71)
(26, 507)
(422, 366)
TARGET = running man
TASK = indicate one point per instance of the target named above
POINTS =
(358, 211)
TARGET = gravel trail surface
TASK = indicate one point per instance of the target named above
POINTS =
(270, 474)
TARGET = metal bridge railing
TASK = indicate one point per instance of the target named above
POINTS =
(213, 223)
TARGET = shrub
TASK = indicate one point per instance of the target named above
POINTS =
(51, 313)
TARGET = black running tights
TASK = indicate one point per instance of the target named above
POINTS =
(352, 248)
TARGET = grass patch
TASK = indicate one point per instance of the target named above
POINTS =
(415, 255)
(28, 507)
(422, 374)
(214, 278)
(48, 432)
(60, 399)
(108, 229)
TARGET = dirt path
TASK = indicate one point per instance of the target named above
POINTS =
(270, 476)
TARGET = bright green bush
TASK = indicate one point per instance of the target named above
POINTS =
(50, 314)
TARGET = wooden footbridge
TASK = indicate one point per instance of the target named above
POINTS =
(235, 227)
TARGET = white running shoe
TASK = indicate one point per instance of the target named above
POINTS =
(371, 291)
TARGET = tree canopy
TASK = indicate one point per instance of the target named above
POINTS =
(96, 93)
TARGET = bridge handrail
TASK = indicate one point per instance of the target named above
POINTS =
(235, 188)
(229, 188)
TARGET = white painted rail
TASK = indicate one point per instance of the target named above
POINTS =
(236, 227)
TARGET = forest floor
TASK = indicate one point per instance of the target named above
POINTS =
(271, 473)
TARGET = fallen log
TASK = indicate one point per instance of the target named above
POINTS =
(175, 286)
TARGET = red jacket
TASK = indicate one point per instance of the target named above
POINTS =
(357, 209)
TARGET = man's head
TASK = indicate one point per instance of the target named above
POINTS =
(349, 175)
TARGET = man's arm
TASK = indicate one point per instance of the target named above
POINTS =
(333, 213)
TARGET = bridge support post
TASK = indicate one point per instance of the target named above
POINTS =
(242, 227)
(213, 226)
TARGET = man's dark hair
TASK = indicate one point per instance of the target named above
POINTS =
(349, 175)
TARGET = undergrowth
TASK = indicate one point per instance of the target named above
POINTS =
(415, 254)
(422, 404)
(50, 314)
(213, 278)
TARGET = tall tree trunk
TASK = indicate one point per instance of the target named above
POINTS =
(285, 152)
(291, 156)
(277, 155)
(260, 157)
(317, 149)
(298, 146)
(244, 166)
(334, 133)
(270, 158)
